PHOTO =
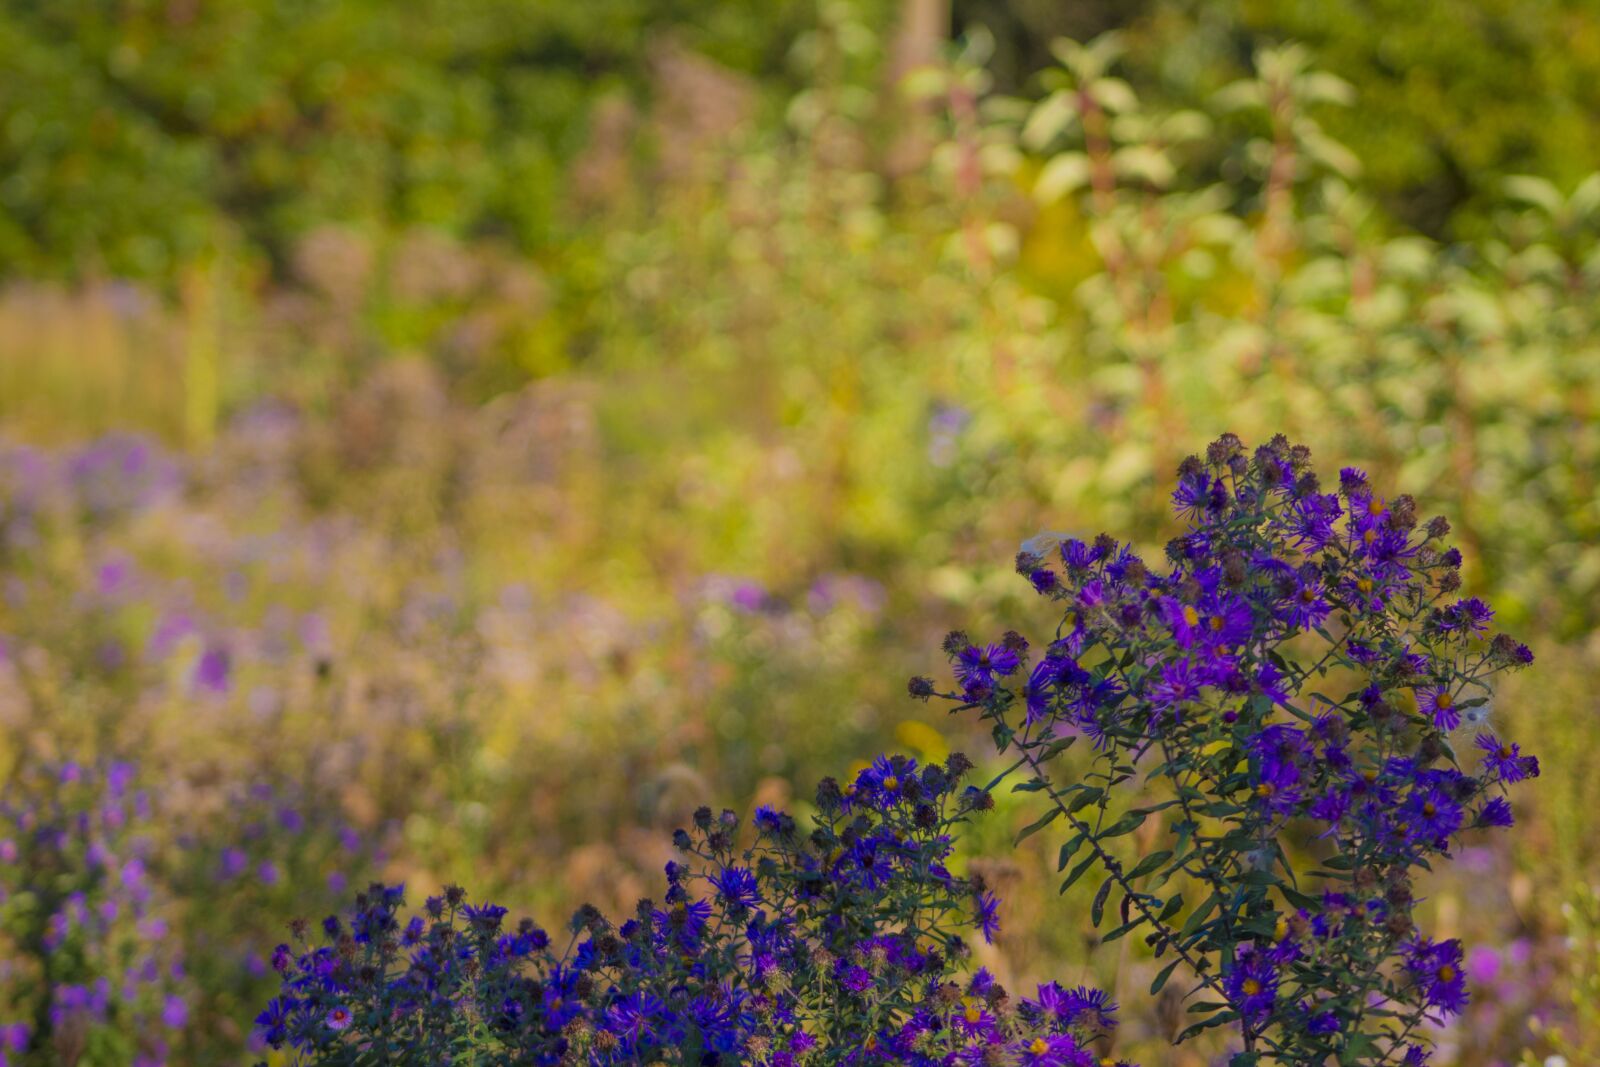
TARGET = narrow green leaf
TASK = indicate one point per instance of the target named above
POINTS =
(1098, 908)
(1149, 863)
(1161, 978)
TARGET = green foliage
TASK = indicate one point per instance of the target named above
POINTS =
(131, 133)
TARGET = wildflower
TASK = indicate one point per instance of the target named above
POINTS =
(1252, 984)
(1439, 704)
(1435, 966)
(1504, 760)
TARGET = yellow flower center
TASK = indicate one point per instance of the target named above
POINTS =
(1251, 987)
(1447, 973)
(1216, 623)
(1374, 506)
(1504, 752)
(974, 1013)
(1369, 537)
(1264, 789)
(1445, 700)
(1191, 616)
(1039, 1047)
(1364, 584)
(1308, 595)
(891, 783)
(1428, 808)
(1281, 929)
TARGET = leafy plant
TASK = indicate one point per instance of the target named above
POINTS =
(1301, 692)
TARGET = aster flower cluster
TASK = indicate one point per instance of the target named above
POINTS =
(841, 944)
(1310, 695)
(89, 964)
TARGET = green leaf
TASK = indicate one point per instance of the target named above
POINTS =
(1161, 978)
(1077, 872)
(1171, 909)
(1125, 825)
(1068, 850)
(1038, 824)
(1200, 915)
(1149, 863)
(1098, 908)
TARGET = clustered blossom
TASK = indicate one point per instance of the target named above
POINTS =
(1305, 668)
(89, 962)
(841, 945)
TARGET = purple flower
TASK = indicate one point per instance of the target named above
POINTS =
(1435, 967)
(988, 916)
(1252, 984)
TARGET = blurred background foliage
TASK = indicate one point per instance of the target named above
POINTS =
(500, 426)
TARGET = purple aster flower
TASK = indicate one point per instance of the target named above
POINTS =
(978, 666)
(988, 916)
(1252, 984)
(1435, 966)
(1177, 682)
(737, 887)
(1505, 760)
(1439, 704)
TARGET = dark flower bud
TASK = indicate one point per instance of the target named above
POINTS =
(978, 799)
(1352, 480)
(1233, 567)
(1366, 878)
(919, 687)
(1507, 651)
(1449, 581)
(1398, 924)
(1136, 573)
(1104, 545)
(1429, 751)
(829, 797)
(956, 642)
(680, 839)
(1464, 786)
(1438, 526)
(729, 819)
(719, 841)
(1223, 449)
(1299, 456)
(1014, 641)
(1027, 562)
(1190, 466)
(957, 765)
(702, 817)
(454, 895)
(644, 909)
(926, 816)
(1403, 512)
